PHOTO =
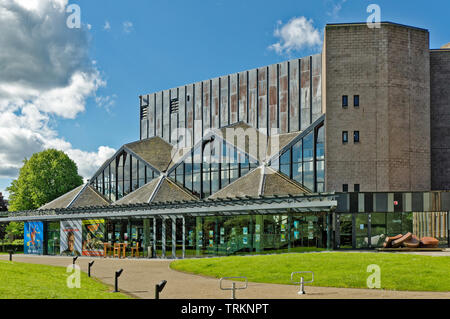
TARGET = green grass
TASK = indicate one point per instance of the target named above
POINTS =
(28, 281)
(345, 270)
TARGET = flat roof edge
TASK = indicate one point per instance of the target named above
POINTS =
(382, 22)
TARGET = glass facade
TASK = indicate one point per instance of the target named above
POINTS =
(304, 162)
(212, 166)
(122, 175)
(256, 233)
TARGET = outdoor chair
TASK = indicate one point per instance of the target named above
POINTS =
(135, 250)
(116, 252)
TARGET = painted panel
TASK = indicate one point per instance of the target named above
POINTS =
(173, 119)
(189, 114)
(71, 238)
(215, 103)
(273, 98)
(283, 92)
(316, 86)
(166, 115)
(233, 98)
(151, 116)
(206, 106)
(253, 98)
(33, 238)
(262, 99)
(294, 97)
(159, 114)
(198, 112)
(305, 93)
(93, 234)
(224, 116)
(243, 97)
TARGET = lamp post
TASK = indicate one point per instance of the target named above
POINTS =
(89, 268)
(116, 283)
(159, 288)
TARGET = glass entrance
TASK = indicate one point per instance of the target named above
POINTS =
(53, 236)
(345, 231)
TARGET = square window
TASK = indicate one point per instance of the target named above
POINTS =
(356, 137)
(344, 101)
(356, 101)
(344, 137)
(356, 188)
(345, 188)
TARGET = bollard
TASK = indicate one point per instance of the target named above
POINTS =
(159, 288)
(116, 284)
(74, 260)
(89, 268)
(10, 255)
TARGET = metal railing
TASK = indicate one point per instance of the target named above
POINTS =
(233, 285)
(302, 281)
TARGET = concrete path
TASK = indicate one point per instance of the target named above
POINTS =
(141, 275)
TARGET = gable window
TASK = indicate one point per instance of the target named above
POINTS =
(356, 101)
(345, 137)
(345, 101)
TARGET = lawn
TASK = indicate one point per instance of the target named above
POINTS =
(28, 281)
(345, 270)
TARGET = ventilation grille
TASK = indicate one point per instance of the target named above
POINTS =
(174, 105)
(144, 111)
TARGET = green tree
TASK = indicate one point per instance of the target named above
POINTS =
(44, 177)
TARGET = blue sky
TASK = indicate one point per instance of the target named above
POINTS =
(154, 45)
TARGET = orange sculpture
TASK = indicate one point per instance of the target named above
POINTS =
(410, 241)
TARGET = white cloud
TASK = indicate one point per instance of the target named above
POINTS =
(46, 75)
(127, 26)
(336, 7)
(297, 34)
(107, 26)
(106, 102)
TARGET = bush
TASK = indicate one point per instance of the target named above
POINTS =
(4, 248)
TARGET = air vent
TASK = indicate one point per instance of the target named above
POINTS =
(174, 104)
(144, 111)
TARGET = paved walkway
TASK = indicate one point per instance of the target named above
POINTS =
(141, 275)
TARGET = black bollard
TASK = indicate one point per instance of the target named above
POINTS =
(116, 284)
(74, 260)
(89, 268)
(159, 288)
(10, 255)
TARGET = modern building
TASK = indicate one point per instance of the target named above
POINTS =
(336, 150)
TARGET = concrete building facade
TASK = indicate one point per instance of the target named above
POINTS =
(334, 150)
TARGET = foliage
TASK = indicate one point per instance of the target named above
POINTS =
(27, 281)
(14, 230)
(344, 270)
(43, 178)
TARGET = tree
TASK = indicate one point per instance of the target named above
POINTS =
(44, 177)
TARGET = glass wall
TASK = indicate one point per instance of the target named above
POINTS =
(369, 230)
(122, 175)
(255, 234)
(304, 162)
(212, 167)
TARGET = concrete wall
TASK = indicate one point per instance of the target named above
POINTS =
(389, 69)
(440, 119)
(286, 97)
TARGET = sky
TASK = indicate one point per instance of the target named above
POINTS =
(77, 89)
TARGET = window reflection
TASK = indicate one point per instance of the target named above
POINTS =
(219, 167)
(297, 162)
(122, 175)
